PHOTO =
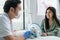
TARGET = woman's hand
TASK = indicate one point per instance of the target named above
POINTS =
(44, 34)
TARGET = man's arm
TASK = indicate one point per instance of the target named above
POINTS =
(13, 38)
(10, 38)
(6, 30)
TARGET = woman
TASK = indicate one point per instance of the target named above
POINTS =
(50, 24)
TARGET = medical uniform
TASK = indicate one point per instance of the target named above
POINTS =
(5, 26)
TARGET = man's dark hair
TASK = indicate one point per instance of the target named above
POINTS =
(10, 3)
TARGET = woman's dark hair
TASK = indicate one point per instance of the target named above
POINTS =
(54, 17)
(10, 3)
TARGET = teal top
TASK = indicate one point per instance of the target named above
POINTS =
(52, 31)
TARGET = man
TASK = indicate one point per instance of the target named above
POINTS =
(11, 9)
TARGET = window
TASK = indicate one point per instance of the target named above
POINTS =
(25, 18)
(1, 5)
(43, 4)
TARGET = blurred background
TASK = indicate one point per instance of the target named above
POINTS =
(33, 11)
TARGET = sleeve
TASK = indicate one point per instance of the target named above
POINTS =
(53, 33)
(42, 25)
(4, 27)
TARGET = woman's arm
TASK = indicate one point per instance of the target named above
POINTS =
(53, 33)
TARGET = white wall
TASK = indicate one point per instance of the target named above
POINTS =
(33, 9)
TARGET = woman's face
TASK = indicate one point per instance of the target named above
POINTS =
(49, 14)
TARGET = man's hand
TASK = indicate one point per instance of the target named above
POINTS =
(21, 38)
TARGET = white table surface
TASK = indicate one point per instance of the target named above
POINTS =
(18, 33)
(46, 38)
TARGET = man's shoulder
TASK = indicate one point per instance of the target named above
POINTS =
(3, 17)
